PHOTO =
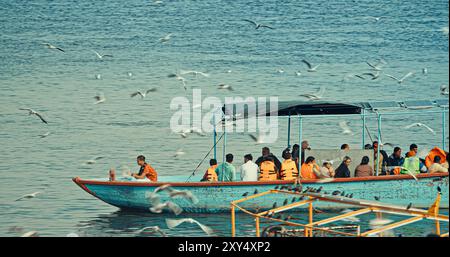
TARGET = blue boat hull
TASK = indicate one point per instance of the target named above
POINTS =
(216, 197)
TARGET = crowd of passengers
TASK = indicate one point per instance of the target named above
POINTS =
(268, 167)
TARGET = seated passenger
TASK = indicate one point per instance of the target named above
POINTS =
(266, 153)
(380, 163)
(146, 171)
(289, 169)
(310, 169)
(395, 161)
(249, 170)
(343, 171)
(210, 174)
(345, 147)
(364, 169)
(327, 170)
(268, 171)
(436, 151)
(226, 171)
(437, 167)
(413, 164)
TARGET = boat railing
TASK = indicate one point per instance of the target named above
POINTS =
(311, 228)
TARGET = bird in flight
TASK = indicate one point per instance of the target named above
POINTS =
(99, 98)
(444, 90)
(310, 67)
(178, 77)
(195, 73)
(94, 160)
(172, 223)
(101, 56)
(28, 196)
(377, 66)
(315, 96)
(178, 153)
(418, 124)
(258, 139)
(33, 112)
(50, 46)
(46, 134)
(402, 79)
(258, 25)
(143, 94)
(345, 128)
(152, 229)
(225, 86)
(166, 38)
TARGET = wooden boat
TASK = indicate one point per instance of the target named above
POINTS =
(216, 197)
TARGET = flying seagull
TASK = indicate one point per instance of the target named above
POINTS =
(258, 139)
(310, 67)
(195, 73)
(94, 160)
(153, 229)
(30, 234)
(377, 66)
(444, 89)
(178, 153)
(33, 112)
(258, 25)
(172, 223)
(402, 79)
(143, 94)
(225, 86)
(50, 46)
(418, 124)
(315, 96)
(158, 207)
(178, 77)
(46, 134)
(345, 128)
(373, 75)
(101, 56)
(166, 38)
(174, 193)
(99, 98)
(28, 196)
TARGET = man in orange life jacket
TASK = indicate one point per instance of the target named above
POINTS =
(146, 171)
(289, 169)
(266, 153)
(210, 174)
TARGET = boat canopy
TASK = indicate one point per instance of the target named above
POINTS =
(243, 110)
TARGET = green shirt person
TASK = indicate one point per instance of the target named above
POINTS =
(226, 171)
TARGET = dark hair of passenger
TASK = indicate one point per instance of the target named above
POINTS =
(346, 158)
(365, 160)
(212, 162)
(396, 149)
(309, 159)
(141, 158)
(437, 159)
(265, 148)
(368, 146)
(374, 143)
(229, 157)
(296, 146)
(344, 146)
(412, 146)
(248, 157)
(286, 154)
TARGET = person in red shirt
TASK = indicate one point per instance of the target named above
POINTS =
(146, 171)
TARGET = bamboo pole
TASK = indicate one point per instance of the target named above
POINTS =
(257, 227)
(233, 221)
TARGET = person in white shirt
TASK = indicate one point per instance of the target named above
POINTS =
(249, 170)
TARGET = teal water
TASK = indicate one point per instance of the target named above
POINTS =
(208, 36)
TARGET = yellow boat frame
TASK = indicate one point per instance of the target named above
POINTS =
(366, 207)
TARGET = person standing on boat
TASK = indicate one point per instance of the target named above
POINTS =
(265, 154)
(343, 171)
(305, 146)
(210, 174)
(364, 169)
(295, 153)
(249, 170)
(395, 161)
(289, 169)
(146, 171)
(226, 171)
(380, 163)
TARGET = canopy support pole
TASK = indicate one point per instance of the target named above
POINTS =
(215, 137)
(363, 128)
(300, 128)
(377, 163)
(289, 132)
(443, 130)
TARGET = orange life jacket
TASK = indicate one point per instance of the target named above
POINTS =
(289, 170)
(397, 170)
(267, 171)
(429, 160)
(307, 171)
(211, 174)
